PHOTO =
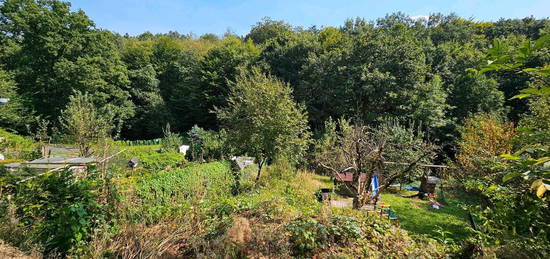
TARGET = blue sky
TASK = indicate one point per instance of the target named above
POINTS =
(217, 16)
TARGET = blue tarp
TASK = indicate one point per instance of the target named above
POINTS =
(374, 184)
(412, 188)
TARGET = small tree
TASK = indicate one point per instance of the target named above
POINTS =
(171, 141)
(263, 120)
(208, 144)
(363, 150)
(85, 123)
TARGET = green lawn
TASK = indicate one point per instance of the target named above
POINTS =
(419, 217)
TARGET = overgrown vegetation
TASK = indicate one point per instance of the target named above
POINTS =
(55, 213)
(85, 124)
(405, 91)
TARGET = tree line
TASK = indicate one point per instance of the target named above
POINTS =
(396, 66)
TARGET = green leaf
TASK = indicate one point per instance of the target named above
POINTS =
(541, 190)
(509, 157)
(530, 91)
(542, 160)
(520, 96)
(510, 176)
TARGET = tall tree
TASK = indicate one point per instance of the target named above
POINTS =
(85, 123)
(382, 72)
(61, 51)
(267, 30)
(473, 93)
(14, 115)
(262, 119)
(286, 54)
(151, 111)
(217, 69)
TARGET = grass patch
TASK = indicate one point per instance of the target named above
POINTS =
(419, 217)
(13, 146)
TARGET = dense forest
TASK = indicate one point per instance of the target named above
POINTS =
(382, 99)
(368, 70)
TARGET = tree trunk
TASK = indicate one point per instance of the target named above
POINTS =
(260, 165)
(356, 203)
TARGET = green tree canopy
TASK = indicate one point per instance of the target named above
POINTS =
(13, 114)
(262, 119)
(217, 69)
(61, 51)
(268, 29)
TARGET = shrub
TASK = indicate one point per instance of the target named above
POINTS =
(13, 146)
(57, 211)
(352, 234)
(208, 145)
(171, 141)
(86, 124)
(484, 137)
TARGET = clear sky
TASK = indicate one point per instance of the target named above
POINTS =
(217, 16)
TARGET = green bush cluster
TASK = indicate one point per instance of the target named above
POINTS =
(207, 144)
(308, 234)
(56, 211)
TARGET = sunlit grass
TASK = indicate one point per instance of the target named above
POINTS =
(419, 217)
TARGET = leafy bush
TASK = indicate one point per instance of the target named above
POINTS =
(171, 141)
(55, 210)
(85, 123)
(309, 234)
(514, 218)
(484, 137)
(353, 234)
(208, 145)
(306, 235)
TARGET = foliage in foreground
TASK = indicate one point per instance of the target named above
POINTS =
(516, 215)
(279, 217)
(55, 213)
